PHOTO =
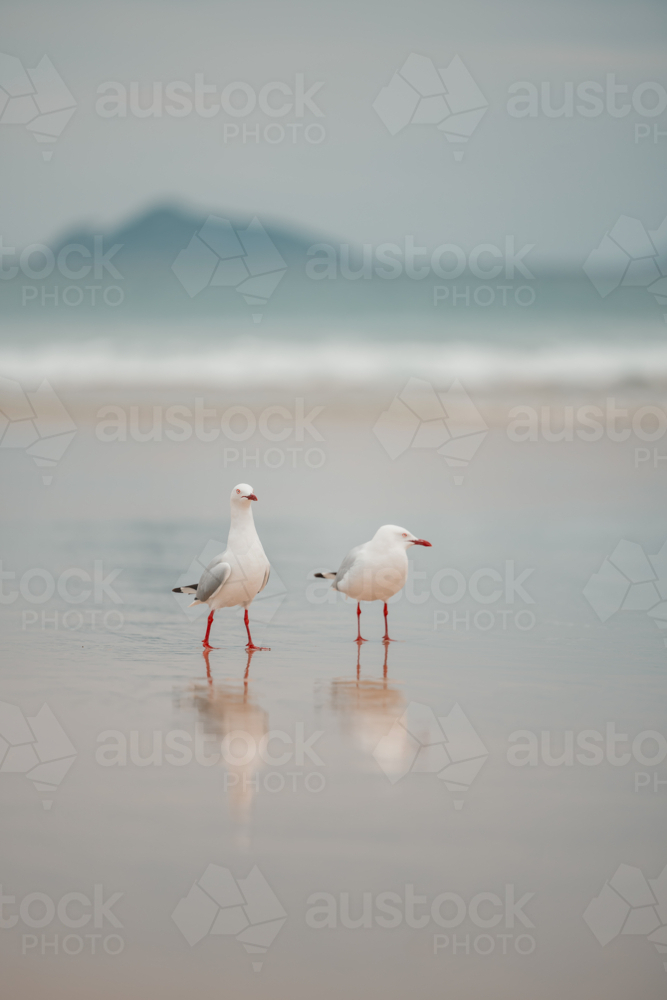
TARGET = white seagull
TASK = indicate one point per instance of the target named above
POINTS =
(376, 570)
(237, 575)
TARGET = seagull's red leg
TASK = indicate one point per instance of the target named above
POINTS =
(251, 644)
(386, 625)
(205, 641)
(359, 636)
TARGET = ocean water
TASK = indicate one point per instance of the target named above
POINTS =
(341, 333)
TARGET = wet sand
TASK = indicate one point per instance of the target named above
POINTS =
(514, 653)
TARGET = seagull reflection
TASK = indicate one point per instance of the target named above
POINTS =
(369, 707)
(229, 712)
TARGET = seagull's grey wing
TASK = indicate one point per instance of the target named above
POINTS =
(346, 564)
(266, 579)
(214, 576)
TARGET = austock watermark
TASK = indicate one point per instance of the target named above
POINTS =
(630, 580)
(222, 256)
(241, 751)
(56, 270)
(503, 588)
(274, 113)
(591, 422)
(450, 911)
(592, 748)
(449, 422)
(36, 746)
(265, 604)
(37, 98)
(591, 99)
(419, 742)
(234, 426)
(630, 256)
(630, 903)
(73, 586)
(61, 921)
(35, 421)
(421, 417)
(447, 98)
(220, 904)
(447, 262)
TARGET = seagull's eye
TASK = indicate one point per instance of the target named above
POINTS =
(238, 491)
(405, 534)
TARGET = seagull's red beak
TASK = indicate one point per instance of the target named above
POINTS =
(422, 541)
(251, 496)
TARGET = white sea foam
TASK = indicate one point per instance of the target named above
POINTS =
(346, 363)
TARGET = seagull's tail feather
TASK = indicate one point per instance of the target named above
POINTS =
(326, 576)
(191, 589)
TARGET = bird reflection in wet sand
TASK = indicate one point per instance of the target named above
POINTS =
(369, 707)
(227, 708)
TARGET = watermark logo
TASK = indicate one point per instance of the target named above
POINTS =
(629, 580)
(36, 746)
(265, 604)
(448, 422)
(38, 585)
(74, 262)
(591, 423)
(236, 425)
(590, 99)
(591, 748)
(630, 256)
(631, 904)
(222, 257)
(72, 911)
(35, 421)
(421, 94)
(292, 102)
(447, 262)
(245, 908)
(37, 98)
(450, 586)
(448, 910)
(420, 743)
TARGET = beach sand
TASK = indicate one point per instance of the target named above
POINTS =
(494, 621)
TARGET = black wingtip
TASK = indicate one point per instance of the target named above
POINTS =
(320, 576)
(177, 590)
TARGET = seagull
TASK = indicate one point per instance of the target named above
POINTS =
(238, 574)
(376, 570)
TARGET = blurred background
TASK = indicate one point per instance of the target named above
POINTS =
(335, 127)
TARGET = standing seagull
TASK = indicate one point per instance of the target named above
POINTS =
(237, 575)
(376, 570)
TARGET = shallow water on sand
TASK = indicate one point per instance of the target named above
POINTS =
(336, 809)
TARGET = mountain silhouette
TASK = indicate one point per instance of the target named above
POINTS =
(149, 244)
(160, 233)
(222, 282)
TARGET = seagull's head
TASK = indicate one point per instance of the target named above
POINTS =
(243, 494)
(391, 534)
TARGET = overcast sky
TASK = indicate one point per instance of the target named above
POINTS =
(556, 182)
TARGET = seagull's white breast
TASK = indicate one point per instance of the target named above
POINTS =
(249, 567)
(375, 575)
